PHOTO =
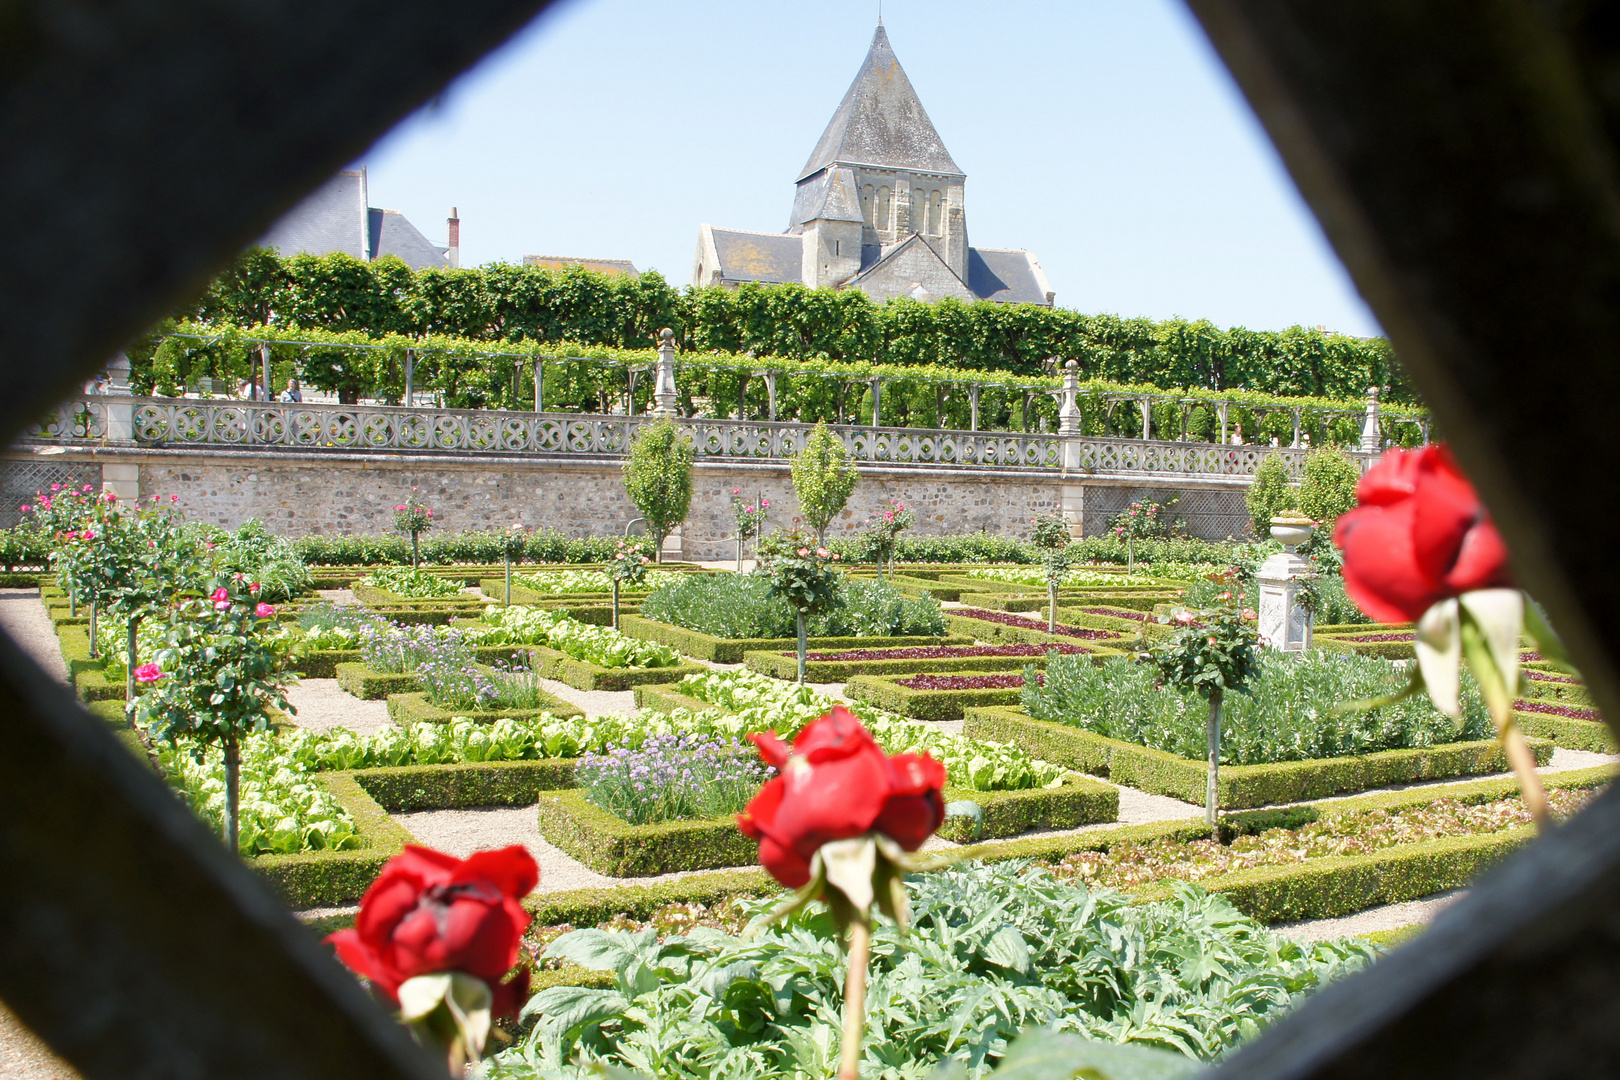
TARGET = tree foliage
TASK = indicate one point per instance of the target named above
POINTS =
(507, 303)
(1328, 487)
(1269, 495)
(823, 477)
(658, 477)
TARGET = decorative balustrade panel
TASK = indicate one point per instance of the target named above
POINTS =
(273, 425)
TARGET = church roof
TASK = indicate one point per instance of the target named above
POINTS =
(392, 234)
(881, 123)
(1006, 276)
(830, 195)
(752, 256)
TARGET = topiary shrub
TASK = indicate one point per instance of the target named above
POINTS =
(1269, 495)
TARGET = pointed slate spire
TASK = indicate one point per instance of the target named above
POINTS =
(880, 122)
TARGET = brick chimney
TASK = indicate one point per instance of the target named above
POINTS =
(454, 254)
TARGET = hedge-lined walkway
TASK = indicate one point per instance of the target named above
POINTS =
(24, 619)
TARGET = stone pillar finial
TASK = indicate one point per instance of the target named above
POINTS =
(1069, 405)
(1372, 439)
(664, 380)
(120, 417)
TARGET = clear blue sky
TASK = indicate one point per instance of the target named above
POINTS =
(1104, 135)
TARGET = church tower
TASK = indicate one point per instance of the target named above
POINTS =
(878, 207)
(882, 163)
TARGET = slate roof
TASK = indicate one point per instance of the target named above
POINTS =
(601, 266)
(881, 122)
(332, 218)
(392, 234)
(1005, 276)
(830, 195)
(753, 256)
(336, 217)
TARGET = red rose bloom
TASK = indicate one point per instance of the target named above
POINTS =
(429, 912)
(1418, 536)
(837, 783)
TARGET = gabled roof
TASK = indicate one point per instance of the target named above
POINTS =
(1006, 276)
(331, 218)
(830, 195)
(392, 234)
(912, 258)
(881, 123)
(752, 256)
(602, 266)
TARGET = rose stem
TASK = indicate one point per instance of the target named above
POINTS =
(1523, 763)
(860, 948)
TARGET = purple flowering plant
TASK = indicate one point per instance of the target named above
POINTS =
(671, 778)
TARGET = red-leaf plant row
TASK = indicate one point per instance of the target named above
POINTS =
(1543, 676)
(964, 682)
(1007, 618)
(944, 652)
(1572, 712)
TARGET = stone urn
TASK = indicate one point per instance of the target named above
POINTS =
(1292, 530)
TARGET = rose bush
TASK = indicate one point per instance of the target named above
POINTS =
(1418, 536)
(429, 912)
(836, 783)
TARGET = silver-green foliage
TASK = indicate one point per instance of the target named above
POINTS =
(732, 606)
(823, 478)
(1288, 713)
(992, 950)
(658, 476)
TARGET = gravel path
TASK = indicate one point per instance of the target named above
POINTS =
(25, 622)
(24, 1057)
(323, 704)
(1387, 917)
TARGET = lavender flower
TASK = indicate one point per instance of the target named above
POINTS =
(672, 777)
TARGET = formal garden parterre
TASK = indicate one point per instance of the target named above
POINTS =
(1023, 713)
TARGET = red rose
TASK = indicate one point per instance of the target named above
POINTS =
(837, 783)
(1418, 536)
(429, 912)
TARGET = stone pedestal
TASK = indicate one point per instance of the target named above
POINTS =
(1284, 624)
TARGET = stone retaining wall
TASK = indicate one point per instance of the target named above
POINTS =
(299, 493)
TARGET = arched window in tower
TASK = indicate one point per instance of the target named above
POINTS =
(866, 203)
(919, 207)
(885, 207)
(936, 213)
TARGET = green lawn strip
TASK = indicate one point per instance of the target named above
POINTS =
(413, 708)
(785, 665)
(1240, 786)
(1593, 735)
(718, 650)
(584, 675)
(885, 692)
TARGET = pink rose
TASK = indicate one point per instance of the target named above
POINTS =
(208, 545)
(822, 553)
(56, 487)
(148, 673)
(26, 508)
(174, 498)
(803, 552)
(264, 611)
(88, 535)
(219, 594)
(430, 513)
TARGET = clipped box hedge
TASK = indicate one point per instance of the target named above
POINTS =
(404, 788)
(718, 650)
(371, 685)
(994, 633)
(414, 708)
(1576, 734)
(321, 878)
(611, 846)
(583, 675)
(1080, 801)
(1382, 650)
(322, 663)
(598, 606)
(1564, 693)
(1239, 786)
(885, 692)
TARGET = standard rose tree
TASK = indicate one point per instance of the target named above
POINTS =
(436, 936)
(1420, 547)
(841, 822)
